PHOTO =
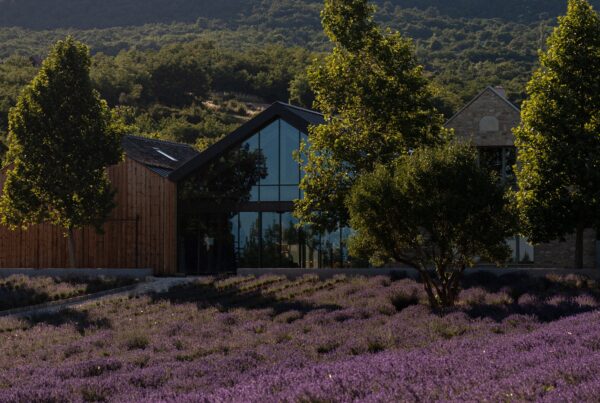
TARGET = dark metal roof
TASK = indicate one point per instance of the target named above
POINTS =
(300, 118)
(160, 171)
(310, 116)
(162, 157)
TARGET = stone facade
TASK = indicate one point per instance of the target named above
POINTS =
(558, 254)
(487, 121)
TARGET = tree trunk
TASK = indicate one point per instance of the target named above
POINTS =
(71, 242)
(579, 247)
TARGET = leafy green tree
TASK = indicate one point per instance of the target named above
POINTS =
(377, 106)
(178, 78)
(434, 211)
(207, 200)
(559, 137)
(300, 92)
(61, 139)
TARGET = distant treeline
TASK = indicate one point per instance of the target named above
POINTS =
(84, 14)
(50, 14)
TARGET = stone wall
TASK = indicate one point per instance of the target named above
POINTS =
(487, 121)
(558, 254)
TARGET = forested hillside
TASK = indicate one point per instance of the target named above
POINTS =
(191, 70)
(49, 14)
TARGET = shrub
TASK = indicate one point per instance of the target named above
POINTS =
(433, 210)
(402, 300)
(137, 342)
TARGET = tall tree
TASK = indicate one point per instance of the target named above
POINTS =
(434, 210)
(61, 139)
(559, 137)
(377, 106)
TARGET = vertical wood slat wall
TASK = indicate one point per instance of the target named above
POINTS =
(140, 233)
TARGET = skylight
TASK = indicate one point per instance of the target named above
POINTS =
(161, 152)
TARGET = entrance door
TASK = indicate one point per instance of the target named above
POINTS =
(208, 252)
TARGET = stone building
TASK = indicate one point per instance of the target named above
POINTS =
(487, 121)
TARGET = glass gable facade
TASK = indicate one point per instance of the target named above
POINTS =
(278, 143)
(260, 229)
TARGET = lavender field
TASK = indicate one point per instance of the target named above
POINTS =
(268, 339)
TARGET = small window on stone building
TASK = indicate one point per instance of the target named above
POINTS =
(489, 124)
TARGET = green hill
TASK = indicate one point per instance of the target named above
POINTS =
(85, 14)
(255, 49)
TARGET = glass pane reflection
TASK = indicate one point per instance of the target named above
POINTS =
(269, 144)
(289, 193)
(269, 193)
(290, 241)
(249, 240)
(290, 142)
(271, 239)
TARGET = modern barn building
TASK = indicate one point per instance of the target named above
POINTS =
(249, 223)
(184, 212)
(140, 233)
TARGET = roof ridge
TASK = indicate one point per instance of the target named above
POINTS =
(495, 91)
(472, 101)
(162, 141)
(286, 104)
(298, 117)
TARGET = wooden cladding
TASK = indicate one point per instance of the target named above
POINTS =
(140, 233)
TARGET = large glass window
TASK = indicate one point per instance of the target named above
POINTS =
(290, 241)
(252, 144)
(249, 240)
(290, 143)
(269, 145)
(499, 160)
(272, 239)
(278, 142)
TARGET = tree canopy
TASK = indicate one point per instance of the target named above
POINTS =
(559, 137)
(436, 209)
(377, 106)
(62, 137)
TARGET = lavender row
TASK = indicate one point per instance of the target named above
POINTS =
(343, 339)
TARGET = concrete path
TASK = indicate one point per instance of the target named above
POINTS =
(151, 285)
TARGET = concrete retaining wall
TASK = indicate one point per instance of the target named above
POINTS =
(71, 273)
